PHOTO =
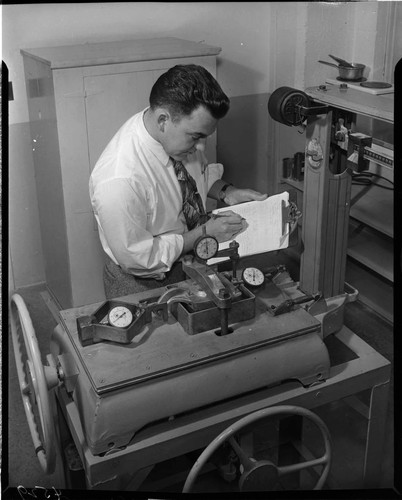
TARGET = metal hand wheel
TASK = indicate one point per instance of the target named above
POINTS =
(35, 381)
(262, 475)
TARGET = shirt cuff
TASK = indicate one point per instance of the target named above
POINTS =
(216, 189)
(172, 249)
(214, 173)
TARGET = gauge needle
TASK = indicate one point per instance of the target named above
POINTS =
(121, 315)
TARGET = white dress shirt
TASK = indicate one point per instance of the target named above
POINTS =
(137, 200)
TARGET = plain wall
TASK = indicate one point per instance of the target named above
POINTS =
(264, 45)
(239, 28)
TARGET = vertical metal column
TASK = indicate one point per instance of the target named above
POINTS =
(326, 201)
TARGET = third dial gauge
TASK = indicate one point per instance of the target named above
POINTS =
(252, 276)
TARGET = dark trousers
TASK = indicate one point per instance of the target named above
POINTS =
(118, 283)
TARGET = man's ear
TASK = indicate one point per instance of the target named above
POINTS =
(163, 117)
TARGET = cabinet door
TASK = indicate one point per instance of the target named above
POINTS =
(110, 101)
(114, 98)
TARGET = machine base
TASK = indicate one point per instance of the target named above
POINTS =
(120, 389)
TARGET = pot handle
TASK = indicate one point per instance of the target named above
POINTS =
(342, 62)
(329, 64)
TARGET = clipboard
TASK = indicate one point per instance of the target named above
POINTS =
(271, 225)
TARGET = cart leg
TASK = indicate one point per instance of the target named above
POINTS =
(74, 476)
(375, 435)
(60, 471)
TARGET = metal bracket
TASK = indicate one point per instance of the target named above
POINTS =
(289, 304)
(318, 109)
(290, 215)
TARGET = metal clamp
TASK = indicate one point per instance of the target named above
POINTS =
(332, 308)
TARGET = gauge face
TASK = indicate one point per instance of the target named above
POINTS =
(253, 276)
(120, 316)
(206, 247)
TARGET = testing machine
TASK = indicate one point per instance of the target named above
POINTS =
(160, 373)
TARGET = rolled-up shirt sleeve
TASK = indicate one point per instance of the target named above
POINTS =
(125, 215)
(215, 174)
(205, 176)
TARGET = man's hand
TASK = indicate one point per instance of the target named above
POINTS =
(233, 195)
(225, 226)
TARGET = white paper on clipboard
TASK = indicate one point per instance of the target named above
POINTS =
(266, 230)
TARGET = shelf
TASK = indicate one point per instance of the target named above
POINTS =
(355, 101)
(371, 249)
(292, 182)
(373, 206)
(374, 291)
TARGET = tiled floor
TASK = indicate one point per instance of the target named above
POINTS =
(346, 426)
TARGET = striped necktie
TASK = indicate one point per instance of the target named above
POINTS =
(193, 208)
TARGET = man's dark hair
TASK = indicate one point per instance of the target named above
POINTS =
(183, 88)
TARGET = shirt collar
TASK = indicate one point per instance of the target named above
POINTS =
(155, 146)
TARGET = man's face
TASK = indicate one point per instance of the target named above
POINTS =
(182, 137)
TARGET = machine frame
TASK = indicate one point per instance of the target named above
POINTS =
(128, 468)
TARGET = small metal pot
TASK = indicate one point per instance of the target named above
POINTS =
(348, 73)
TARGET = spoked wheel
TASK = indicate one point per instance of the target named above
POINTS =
(263, 475)
(35, 381)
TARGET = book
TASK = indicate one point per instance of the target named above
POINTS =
(266, 230)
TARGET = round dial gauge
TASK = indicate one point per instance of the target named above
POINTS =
(253, 276)
(120, 316)
(206, 247)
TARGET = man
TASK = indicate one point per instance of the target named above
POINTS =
(147, 214)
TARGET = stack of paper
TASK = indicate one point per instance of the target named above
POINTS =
(265, 231)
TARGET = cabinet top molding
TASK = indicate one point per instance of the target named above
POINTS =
(122, 51)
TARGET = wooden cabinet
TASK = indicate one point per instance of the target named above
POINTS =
(78, 97)
(370, 261)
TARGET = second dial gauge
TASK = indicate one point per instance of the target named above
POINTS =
(252, 276)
